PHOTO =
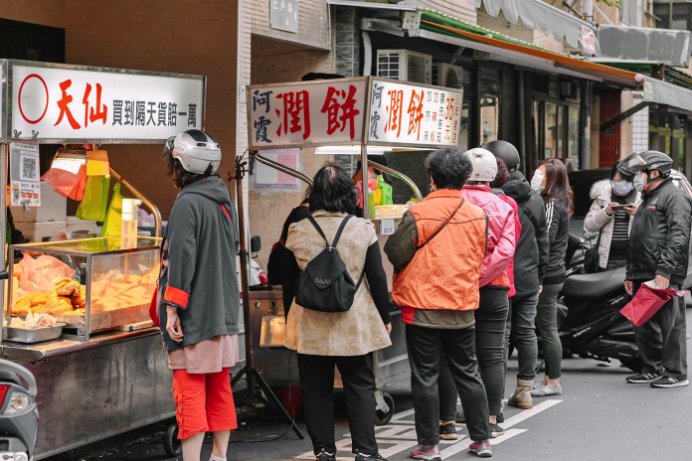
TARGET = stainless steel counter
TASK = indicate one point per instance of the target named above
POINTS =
(40, 351)
(91, 390)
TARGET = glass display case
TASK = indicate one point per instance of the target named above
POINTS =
(90, 285)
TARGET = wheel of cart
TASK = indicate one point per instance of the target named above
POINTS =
(171, 445)
(384, 407)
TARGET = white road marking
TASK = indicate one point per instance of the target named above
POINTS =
(400, 435)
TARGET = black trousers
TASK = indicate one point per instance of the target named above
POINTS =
(491, 321)
(425, 346)
(662, 341)
(317, 381)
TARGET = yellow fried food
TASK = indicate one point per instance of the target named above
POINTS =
(60, 309)
(76, 312)
(27, 302)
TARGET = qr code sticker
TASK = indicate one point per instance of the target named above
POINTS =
(29, 168)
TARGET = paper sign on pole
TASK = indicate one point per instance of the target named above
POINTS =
(25, 185)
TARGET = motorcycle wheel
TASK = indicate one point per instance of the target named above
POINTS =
(635, 363)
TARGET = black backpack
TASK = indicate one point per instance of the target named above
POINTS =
(325, 285)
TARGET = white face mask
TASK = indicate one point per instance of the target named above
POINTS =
(639, 181)
(537, 180)
(622, 188)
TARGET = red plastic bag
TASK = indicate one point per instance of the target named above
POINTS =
(66, 183)
(154, 308)
(647, 301)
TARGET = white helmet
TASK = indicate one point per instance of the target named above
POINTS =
(197, 151)
(483, 163)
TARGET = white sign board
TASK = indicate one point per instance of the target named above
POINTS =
(325, 112)
(78, 104)
(414, 115)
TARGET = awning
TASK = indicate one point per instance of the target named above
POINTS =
(667, 94)
(541, 15)
(439, 27)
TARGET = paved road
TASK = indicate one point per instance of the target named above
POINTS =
(599, 417)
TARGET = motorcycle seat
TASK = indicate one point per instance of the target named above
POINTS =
(594, 285)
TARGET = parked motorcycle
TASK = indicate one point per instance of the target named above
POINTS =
(18, 412)
(589, 320)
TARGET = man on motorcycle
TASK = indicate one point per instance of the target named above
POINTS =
(659, 250)
(530, 259)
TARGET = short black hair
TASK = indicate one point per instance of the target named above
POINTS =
(332, 190)
(449, 168)
(180, 176)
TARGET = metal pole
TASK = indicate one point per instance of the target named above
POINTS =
(365, 176)
(4, 155)
(670, 14)
(244, 285)
(522, 120)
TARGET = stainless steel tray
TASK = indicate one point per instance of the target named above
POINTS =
(34, 335)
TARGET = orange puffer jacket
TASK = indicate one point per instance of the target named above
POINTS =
(444, 273)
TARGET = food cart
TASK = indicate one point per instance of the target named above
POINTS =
(349, 115)
(106, 373)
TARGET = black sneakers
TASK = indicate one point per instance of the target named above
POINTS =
(666, 382)
(644, 378)
(364, 457)
(496, 430)
(448, 431)
(324, 455)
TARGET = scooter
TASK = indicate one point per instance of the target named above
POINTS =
(18, 412)
(589, 320)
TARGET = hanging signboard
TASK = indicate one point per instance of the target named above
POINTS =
(70, 103)
(323, 112)
(25, 185)
(354, 111)
(414, 115)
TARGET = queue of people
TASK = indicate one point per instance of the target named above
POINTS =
(478, 263)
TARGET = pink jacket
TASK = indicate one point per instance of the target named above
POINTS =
(517, 232)
(502, 234)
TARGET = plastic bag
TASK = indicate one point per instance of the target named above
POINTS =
(385, 192)
(112, 224)
(95, 201)
(66, 183)
(647, 301)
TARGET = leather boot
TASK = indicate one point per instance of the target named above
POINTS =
(522, 395)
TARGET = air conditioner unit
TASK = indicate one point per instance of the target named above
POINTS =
(404, 65)
(448, 75)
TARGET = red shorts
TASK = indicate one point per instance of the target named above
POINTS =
(203, 402)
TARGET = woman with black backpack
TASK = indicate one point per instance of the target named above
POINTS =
(346, 332)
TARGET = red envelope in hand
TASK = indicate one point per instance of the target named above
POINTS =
(647, 301)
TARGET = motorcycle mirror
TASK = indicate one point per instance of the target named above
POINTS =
(255, 243)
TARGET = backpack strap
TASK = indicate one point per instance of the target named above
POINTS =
(340, 230)
(319, 229)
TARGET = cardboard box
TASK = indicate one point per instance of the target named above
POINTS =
(43, 231)
(53, 208)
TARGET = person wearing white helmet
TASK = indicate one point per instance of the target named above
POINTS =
(491, 316)
(197, 300)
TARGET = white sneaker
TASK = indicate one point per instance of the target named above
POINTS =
(544, 390)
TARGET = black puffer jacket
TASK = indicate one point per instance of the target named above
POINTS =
(531, 255)
(558, 236)
(660, 238)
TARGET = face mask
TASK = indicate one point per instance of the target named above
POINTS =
(622, 188)
(639, 181)
(537, 180)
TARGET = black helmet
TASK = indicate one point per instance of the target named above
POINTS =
(651, 160)
(506, 151)
(624, 169)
